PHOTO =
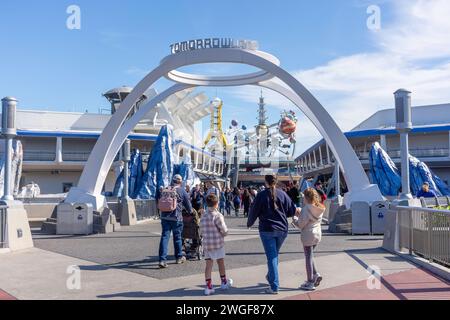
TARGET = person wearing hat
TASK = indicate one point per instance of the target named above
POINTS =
(172, 222)
(426, 192)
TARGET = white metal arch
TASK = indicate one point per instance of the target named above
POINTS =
(102, 156)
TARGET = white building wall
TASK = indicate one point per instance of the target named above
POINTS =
(423, 115)
(51, 183)
(54, 121)
(435, 140)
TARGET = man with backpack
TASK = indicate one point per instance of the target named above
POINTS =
(172, 201)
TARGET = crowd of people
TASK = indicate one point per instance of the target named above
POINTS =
(271, 204)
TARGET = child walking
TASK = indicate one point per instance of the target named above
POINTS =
(213, 230)
(309, 220)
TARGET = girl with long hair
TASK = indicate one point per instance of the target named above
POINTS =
(272, 207)
(309, 220)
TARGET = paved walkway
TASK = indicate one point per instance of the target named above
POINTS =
(49, 274)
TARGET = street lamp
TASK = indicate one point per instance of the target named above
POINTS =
(404, 126)
(9, 105)
(126, 157)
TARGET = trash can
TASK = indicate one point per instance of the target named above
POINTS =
(360, 217)
(75, 219)
(377, 216)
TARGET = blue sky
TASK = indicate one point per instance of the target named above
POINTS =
(326, 44)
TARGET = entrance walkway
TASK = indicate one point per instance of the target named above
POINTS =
(123, 265)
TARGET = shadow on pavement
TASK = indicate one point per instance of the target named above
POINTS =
(185, 292)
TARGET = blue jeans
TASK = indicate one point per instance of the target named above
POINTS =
(167, 227)
(272, 242)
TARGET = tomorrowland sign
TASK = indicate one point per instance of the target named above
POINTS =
(210, 43)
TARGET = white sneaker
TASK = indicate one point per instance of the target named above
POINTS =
(308, 286)
(228, 285)
(209, 291)
(317, 279)
(270, 291)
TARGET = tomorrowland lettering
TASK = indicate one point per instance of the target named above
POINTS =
(211, 43)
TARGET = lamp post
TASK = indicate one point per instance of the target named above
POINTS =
(337, 173)
(404, 126)
(18, 232)
(126, 157)
(9, 105)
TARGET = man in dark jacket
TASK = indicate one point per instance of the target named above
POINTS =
(197, 198)
(173, 222)
(294, 194)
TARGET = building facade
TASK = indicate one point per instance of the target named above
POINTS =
(56, 145)
(429, 141)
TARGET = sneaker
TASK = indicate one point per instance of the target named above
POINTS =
(181, 260)
(228, 285)
(209, 291)
(308, 286)
(270, 291)
(317, 279)
(163, 265)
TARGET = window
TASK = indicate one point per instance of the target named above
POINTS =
(67, 186)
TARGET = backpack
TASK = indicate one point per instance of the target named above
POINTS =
(168, 200)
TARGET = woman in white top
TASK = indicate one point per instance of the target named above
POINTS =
(309, 220)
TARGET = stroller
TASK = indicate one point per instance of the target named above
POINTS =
(192, 241)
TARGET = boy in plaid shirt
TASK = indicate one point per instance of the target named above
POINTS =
(213, 230)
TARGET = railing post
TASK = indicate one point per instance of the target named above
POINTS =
(430, 228)
(410, 228)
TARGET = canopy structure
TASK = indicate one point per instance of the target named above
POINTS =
(93, 177)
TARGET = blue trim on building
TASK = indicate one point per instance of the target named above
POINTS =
(376, 132)
(93, 135)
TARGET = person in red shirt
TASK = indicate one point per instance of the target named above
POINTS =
(320, 191)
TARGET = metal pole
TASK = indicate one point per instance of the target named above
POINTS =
(410, 232)
(404, 126)
(9, 105)
(404, 149)
(236, 163)
(126, 159)
(8, 159)
(337, 179)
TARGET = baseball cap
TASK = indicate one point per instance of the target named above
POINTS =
(177, 178)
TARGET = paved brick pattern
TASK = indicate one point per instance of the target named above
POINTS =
(416, 284)
(5, 296)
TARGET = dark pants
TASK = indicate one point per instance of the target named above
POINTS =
(246, 209)
(272, 242)
(228, 208)
(176, 227)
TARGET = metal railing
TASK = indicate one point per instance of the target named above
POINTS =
(425, 232)
(39, 156)
(2, 226)
(145, 209)
(75, 156)
(420, 153)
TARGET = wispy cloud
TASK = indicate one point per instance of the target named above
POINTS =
(412, 52)
(116, 39)
(136, 71)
